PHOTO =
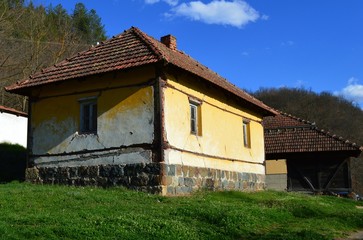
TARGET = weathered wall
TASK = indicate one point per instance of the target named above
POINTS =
(13, 129)
(276, 182)
(125, 121)
(220, 145)
(122, 151)
(276, 174)
(276, 166)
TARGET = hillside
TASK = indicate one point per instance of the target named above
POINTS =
(329, 112)
(60, 212)
(34, 37)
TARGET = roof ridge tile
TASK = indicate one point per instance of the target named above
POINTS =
(296, 118)
(149, 43)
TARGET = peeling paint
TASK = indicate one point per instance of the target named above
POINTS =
(52, 136)
(130, 120)
(122, 156)
(125, 116)
(189, 159)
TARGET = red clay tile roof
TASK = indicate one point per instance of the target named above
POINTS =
(287, 134)
(132, 48)
(12, 111)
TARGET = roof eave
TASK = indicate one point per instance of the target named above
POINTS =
(286, 154)
(12, 111)
(26, 90)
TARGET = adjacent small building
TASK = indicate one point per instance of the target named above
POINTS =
(301, 157)
(137, 112)
(13, 126)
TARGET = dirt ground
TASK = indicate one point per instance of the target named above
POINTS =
(356, 236)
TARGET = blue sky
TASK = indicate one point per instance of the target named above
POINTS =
(317, 45)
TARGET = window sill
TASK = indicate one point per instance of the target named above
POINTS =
(85, 134)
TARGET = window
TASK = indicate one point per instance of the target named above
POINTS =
(246, 133)
(88, 116)
(195, 118)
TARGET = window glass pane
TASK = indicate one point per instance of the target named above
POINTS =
(86, 112)
(192, 111)
(94, 118)
(88, 117)
(193, 126)
(193, 119)
(246, 134)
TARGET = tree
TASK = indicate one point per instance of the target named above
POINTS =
(88, 24)
(34, 37)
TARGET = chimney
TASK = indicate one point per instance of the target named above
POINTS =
(169, 41)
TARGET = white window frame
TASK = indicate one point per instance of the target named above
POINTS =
(246, 129)
(195, 117)
(88, 124)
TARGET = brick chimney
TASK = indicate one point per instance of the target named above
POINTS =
(169, 41)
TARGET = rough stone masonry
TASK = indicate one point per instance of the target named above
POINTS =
(158, 178)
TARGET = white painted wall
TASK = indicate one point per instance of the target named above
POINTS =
(13, 129)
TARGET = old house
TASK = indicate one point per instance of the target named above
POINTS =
(13, 126)
(301, 157)
(138, 112)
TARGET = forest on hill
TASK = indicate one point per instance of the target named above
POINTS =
(33, 37)
(331, 113)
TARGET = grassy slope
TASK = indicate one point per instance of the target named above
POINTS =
(53, 212)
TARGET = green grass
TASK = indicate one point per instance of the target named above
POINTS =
(61, 212)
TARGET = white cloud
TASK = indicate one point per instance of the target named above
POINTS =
(151, 1)
(288, 43)
(353, 91)
(236, 13)
(265, 17)
(170, 2)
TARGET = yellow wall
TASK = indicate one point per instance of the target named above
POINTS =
(222, 135)
(126, 117)
(125, 114)
(276, 166)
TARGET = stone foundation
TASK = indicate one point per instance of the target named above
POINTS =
(140, 177)
(158, 178)
(179, 180)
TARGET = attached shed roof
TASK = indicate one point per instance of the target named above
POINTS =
(132, 48)
(285, 133)
(13, 111)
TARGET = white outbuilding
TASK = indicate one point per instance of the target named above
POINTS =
(13, 126)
